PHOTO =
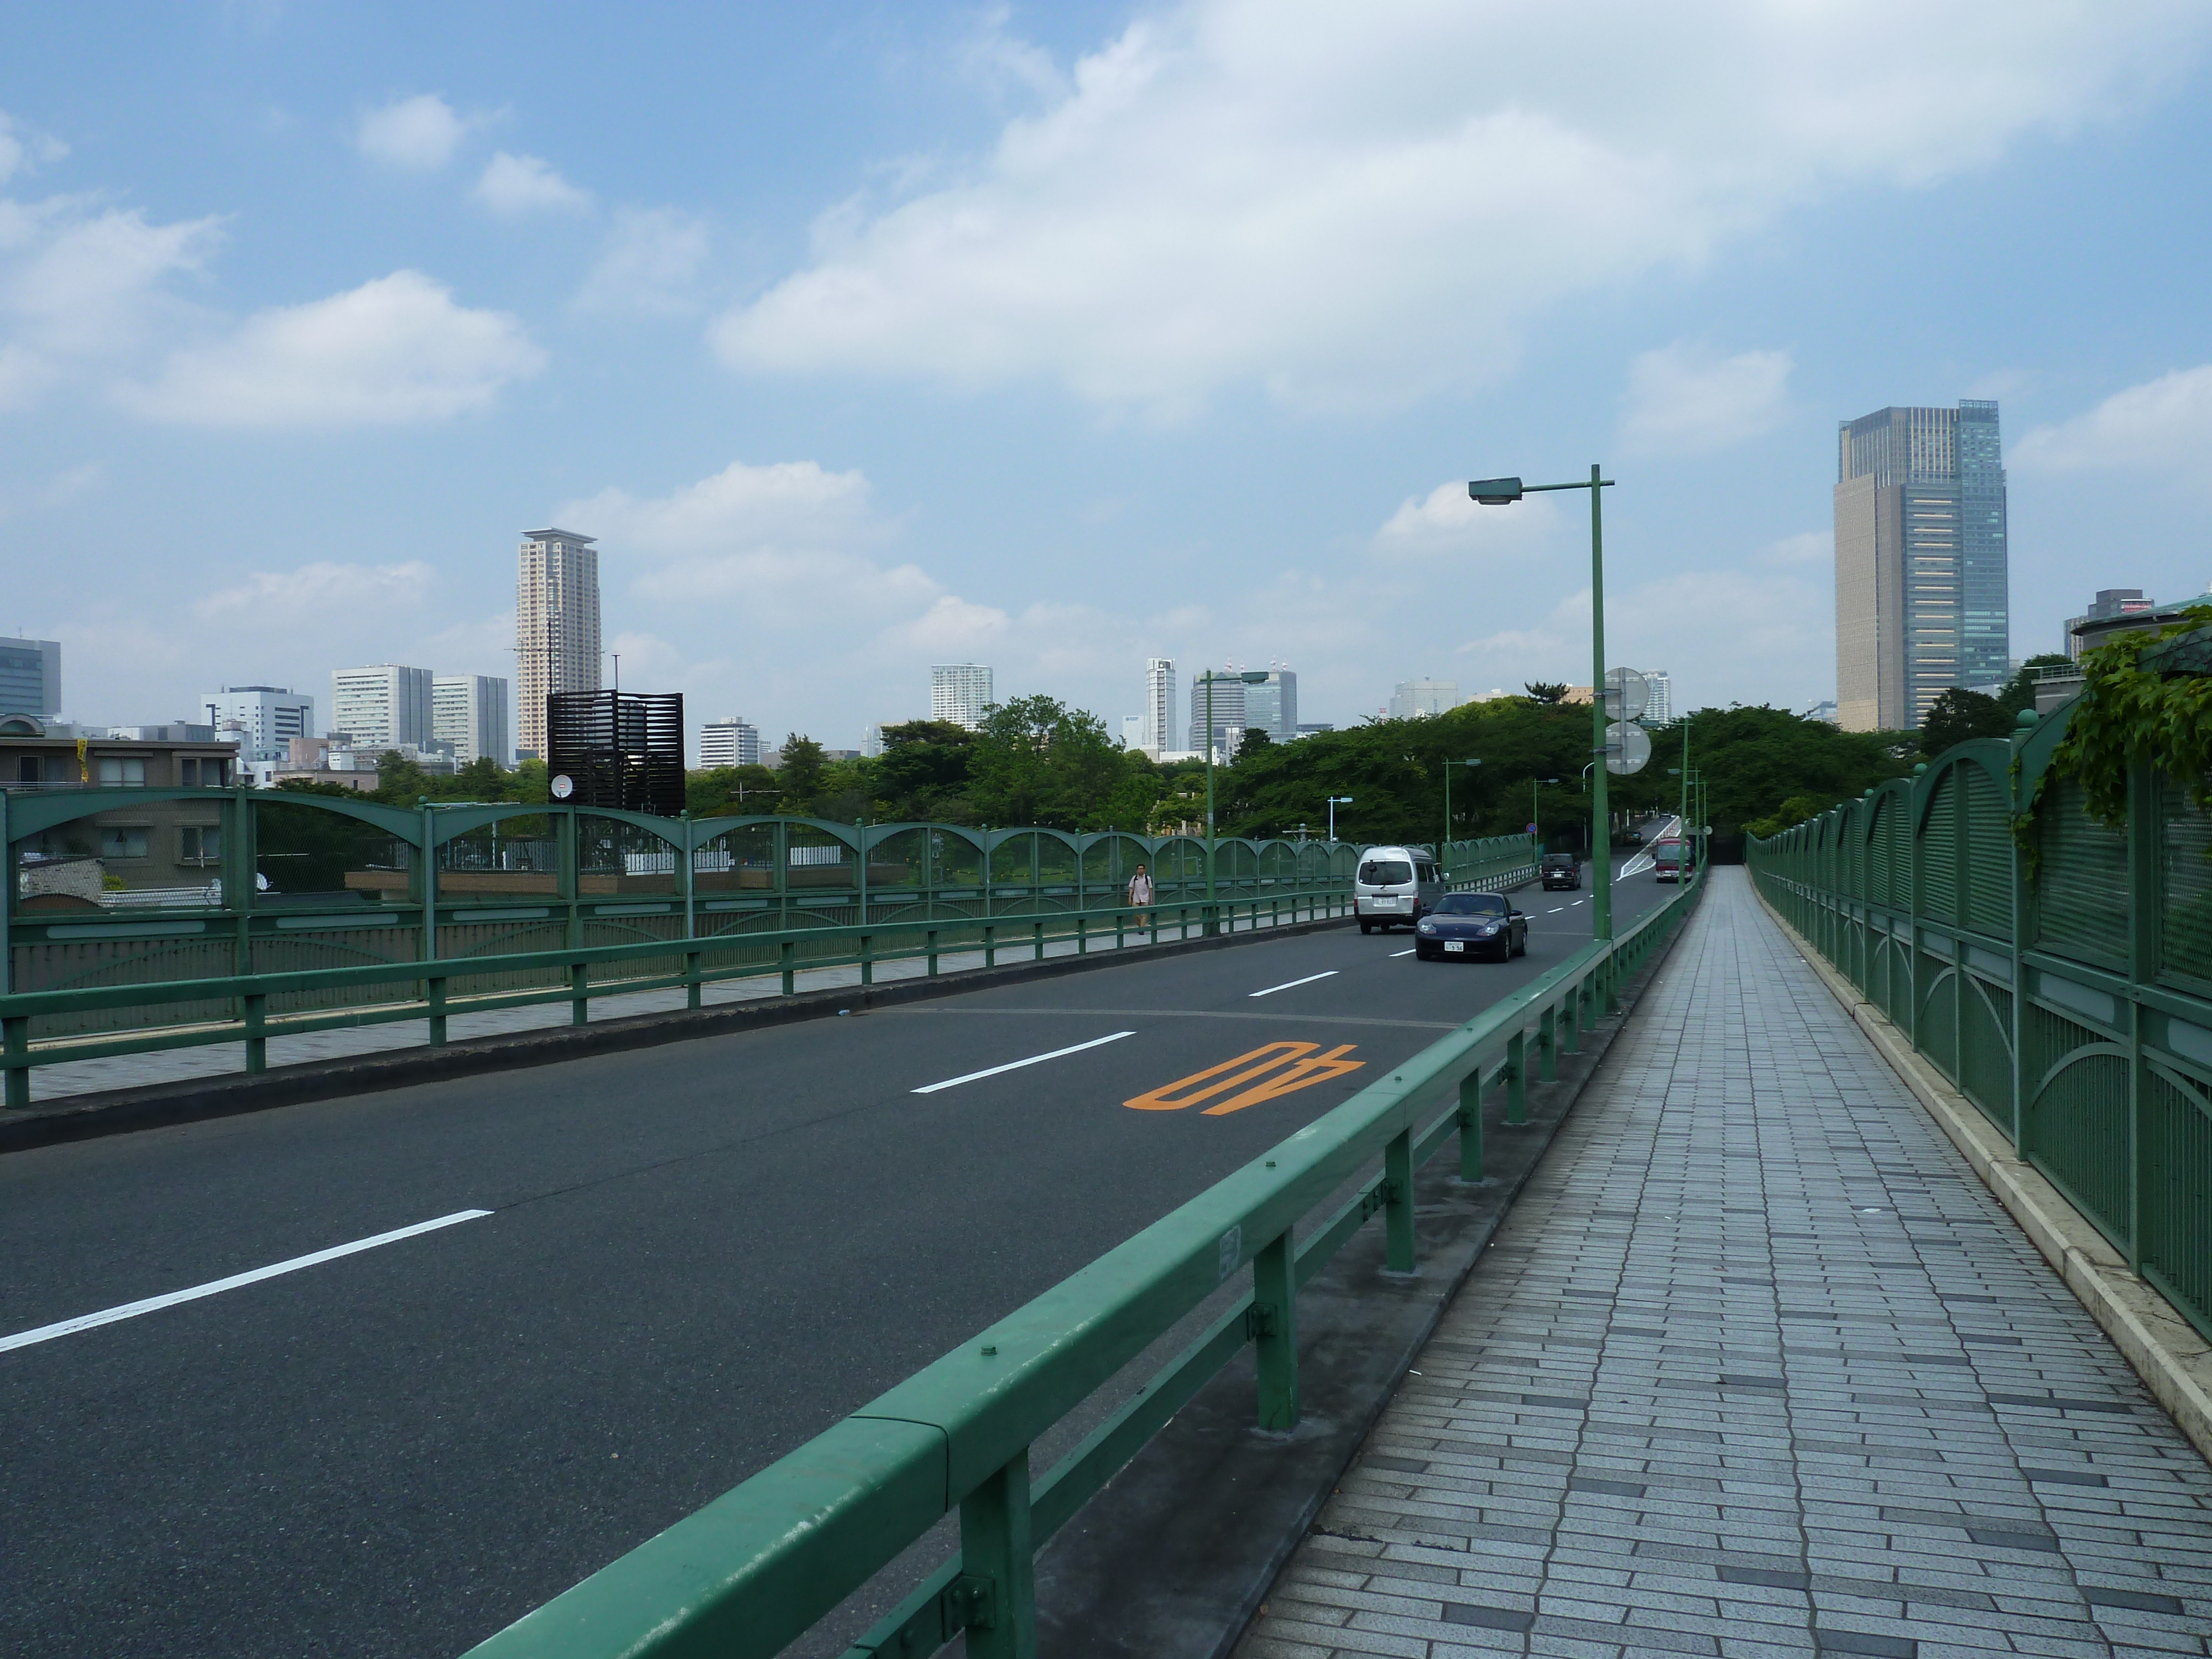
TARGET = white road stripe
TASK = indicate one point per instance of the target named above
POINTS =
(1016, 1065)
(1555, 910)
(1393, 953)
(1308, 979)
(154, 1303)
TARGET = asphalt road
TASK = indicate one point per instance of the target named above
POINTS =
(696, 1257)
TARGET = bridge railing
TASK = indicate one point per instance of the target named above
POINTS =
(760, 1566)
(1493, 863)
(149, 889)
(438, 990)
(2062, 985)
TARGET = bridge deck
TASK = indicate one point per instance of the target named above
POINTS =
(1758, 1366)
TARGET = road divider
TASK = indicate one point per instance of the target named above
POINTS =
(1295, 1066)
(236, 1281)
(1016, 1065)
(1289, 985)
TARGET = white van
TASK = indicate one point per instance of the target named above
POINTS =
(1394, 885)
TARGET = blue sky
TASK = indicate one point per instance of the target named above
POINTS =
(865, 338)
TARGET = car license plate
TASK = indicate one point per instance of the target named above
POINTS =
(1454, 945)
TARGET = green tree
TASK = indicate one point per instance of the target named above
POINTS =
(801, 779)
(730, 790)
(1547, 691)
(1958, 714)
(1037, 761)
(924, 771)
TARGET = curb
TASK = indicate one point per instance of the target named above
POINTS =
(1180, 1550)
(2167, 1351)
(157, 1105)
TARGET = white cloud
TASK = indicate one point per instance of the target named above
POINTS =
(791, 504)
(1805, 547)
(1682, 400)
(1448, 521)
(1343, 206)
(23, 148)
(420, 132)
(955, 627)
(393, 350)
(512, 185)
(81, 290)
(650, 265)
(2163, 425)
(322, 595)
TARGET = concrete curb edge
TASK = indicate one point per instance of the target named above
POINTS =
(2167, 1351)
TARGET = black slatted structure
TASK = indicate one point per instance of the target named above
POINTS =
(622, 749)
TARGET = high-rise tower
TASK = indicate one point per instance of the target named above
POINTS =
(959, 692)
(1158, 730)
(1920, 585)
(556, 627)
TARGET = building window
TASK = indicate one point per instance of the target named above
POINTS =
(117, 841)
(123, 771)
(188, 772)
(27, 769)
(199, 844)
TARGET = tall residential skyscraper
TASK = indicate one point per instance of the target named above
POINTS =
(1158, 732)
(556, 626)
(469, 711)
(1415, 699)
(732, 742)
(31, 677)
(1660, 709)
(1921, 587)
(1272, 706)
(382, 706)
(960, 692)
(269, 717)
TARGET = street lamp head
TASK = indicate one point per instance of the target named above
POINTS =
(1495, 492)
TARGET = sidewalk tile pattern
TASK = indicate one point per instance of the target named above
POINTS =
(1757, 1367)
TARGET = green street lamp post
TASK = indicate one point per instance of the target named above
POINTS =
(1335, 801)
(1250, 677)
(1502, 492)
(1447, 840)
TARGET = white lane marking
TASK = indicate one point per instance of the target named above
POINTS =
(154, 1303)
(1555, 909)
(1393, 953)
(1016, 1065)
(1329, 973)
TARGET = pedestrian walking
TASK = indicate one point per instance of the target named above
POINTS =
(1140, 895)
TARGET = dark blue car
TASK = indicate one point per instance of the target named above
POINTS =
(1472, 925)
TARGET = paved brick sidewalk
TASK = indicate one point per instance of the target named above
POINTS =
(1757, 1366)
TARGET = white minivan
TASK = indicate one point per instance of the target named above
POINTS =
(1394, 885)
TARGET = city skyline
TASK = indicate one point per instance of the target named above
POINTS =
(338, 369)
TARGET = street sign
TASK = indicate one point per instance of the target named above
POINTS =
(1532, 829)
(1627, 748)
(1627, 694)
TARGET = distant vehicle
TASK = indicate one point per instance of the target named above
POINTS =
(1559, 870)
(1472, 925)
(1668, 858)
(1394, 885)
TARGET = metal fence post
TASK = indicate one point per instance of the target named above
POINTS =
(1398, 1202)
(990, 945)
(15, 1033)
(1570, 1037)
(1082, 934)
(867, 959)
(1516, 1079)
(1037, 935)
(580, 1002)
(995, 1560)
(929, 941)
(788, 956)
(1274, 1328)
(691, 979)
(1470, 1126)
(437, 999)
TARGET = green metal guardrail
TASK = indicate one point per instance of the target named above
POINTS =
(427, 990)
(758, 1567)
(2067, 995)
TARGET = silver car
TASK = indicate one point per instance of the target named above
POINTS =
(1394, 886)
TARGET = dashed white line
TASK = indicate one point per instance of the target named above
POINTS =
(1395, 953)
(156, 1304)
(1555, 909)
(1016, 1065)
(1287, 984)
